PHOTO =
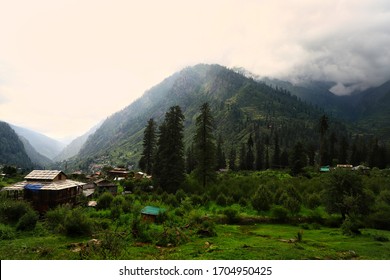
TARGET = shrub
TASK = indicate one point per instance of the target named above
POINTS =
(379, 219)
(381, 238)
(313, 201)
(11, 211)
(77, 223)
(207, 229)
(350, 226)
(6, 232)
(55, 218)
(262, 199)
(221, 200)
(28, 221)
(104, 201)
(231, 215)
(279, 213)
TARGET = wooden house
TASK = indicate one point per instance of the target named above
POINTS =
(118, 174)
(103, 185)
(46, 189)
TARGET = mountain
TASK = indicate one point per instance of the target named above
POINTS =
(12, 151)
(75, 146)
(373, 111)
(44, 145)
(241, 106)
(38, 160)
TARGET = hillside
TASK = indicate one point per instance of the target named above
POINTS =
(44, 145)
(368, 110)
(241, 106)
(12, 151)
(75, 146)
(38, 160)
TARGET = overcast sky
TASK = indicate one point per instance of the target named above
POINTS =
(66, 65)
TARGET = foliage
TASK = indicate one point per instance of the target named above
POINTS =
(149, 146)
(77, 223)
(344, 194)
(55, 218)
(12, 210)
(6, 232)
(28, 221)
(169, 166)
(205, 149)
(279, 213)
(262, 199)
(104, 201)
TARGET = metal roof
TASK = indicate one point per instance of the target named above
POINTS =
(55, 185)
(151, 210)
(43, 174)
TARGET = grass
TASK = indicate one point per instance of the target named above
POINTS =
(233, 242)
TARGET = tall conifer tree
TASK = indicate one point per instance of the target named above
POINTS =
(169, 168)
(149, 147)
(205, 150)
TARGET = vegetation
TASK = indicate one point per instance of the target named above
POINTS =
(237, 214)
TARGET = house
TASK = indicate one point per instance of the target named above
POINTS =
(46, 189)
(325, 168)
(139, 175)
(118, 174)
(103, 185)
(345, 166)
(150, 213)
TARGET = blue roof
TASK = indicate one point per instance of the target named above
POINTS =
(151, 210)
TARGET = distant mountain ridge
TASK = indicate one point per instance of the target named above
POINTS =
(75, 146)
(43, 144)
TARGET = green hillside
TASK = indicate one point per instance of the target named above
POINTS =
(241, 106)
(12, 151)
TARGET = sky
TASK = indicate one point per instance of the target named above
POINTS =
(65, 65)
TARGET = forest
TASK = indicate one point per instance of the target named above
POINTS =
(256, 202)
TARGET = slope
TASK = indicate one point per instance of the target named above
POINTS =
(42, 144)
(12, 151)
(75, 146)
(241, 106)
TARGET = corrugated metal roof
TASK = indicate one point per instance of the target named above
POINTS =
(151, 210)
(55, 185)
(43, 174)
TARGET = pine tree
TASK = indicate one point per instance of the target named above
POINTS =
(298, 159)
(259, 155)
(324, 125)
(232, 159)
(221, 158)
(169, 168)
(249, 164)
(205, 150)
(149, 147)
(276, 157)
(242, 162)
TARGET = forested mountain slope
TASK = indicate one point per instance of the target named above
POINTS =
(12, 151)
(241, 107)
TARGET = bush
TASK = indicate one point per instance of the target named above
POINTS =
(313, 201)
(77, 223)
(11, 211)
(262, 200)
(221, 200)
(104, 201)
(279, 213)
(207, 229)
(6, 232)
(55, 218)
(231, 215)
(350, 226)
(28, 221)
(379, 219)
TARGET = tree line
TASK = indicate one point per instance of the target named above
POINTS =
(165, 157)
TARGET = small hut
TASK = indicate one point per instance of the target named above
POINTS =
(149, 213)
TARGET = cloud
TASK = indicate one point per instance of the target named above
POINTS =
(77, 62)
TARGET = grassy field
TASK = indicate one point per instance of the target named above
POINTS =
(241, 242)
